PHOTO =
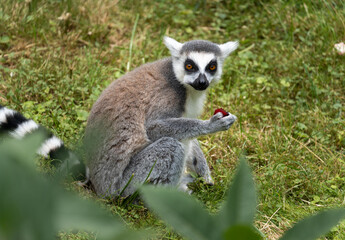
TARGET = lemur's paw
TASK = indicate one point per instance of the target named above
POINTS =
(216, 117)
(218, 122)
(230, 118)
(185, 188)
(208, 180)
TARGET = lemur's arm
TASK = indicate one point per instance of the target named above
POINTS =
(187, 128)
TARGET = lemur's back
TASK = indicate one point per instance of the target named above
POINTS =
(116, 126)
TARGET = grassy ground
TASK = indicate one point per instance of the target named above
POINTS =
(285, 83)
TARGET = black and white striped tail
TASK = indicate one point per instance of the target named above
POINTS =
(16, 125)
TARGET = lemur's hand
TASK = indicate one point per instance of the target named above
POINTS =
(219, 122)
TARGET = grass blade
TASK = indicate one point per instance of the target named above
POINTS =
(131, 43)
(242, 232)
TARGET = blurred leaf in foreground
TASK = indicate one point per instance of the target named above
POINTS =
(32, 207)
(240, 205)
(236, 216)
(315, 226)
(187, 216)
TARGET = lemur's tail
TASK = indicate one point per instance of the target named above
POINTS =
(16, 125)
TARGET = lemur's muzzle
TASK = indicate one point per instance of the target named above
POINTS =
(201, 83)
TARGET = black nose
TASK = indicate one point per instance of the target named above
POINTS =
(200, 83)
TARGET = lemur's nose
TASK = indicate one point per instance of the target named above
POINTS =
(201, 82)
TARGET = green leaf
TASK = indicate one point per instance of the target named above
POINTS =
(240, 206)
(4, 39)
(315, 226)
(242, 232)
(21, 151)
(33, 207)
(73, 213)
(25, 203)
(186, 215)
(82, 115)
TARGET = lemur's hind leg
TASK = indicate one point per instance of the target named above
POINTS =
(166, 155)
(196, 162)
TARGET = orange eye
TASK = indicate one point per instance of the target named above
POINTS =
(213, 67)
(189, 66)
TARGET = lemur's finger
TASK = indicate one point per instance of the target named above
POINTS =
(216, 117)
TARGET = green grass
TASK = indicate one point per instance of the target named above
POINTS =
(285, 83)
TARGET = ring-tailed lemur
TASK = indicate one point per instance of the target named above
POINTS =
(144, 124)
(16, 125)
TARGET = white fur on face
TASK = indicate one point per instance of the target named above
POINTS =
(201, 59)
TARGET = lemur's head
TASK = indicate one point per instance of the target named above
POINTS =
(198, 64)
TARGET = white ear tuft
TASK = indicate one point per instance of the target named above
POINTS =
(173, 45)
(228, 48)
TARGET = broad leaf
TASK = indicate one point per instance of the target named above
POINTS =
(315, 226)
(23, 152)
(242, 232)
(25, 203)
(185, 214)
(74, 213)
(240, 205)
(32, 207)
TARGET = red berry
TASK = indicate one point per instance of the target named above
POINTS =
(225, 113)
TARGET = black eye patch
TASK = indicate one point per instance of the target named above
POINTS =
(190, 66)
(211, 67)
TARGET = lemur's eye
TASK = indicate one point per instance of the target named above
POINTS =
(212, 67)
(189, 66)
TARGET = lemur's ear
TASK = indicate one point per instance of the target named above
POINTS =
(228, 48)
(173, 45)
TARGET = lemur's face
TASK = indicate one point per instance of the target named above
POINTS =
(198, 69)
(198, 64)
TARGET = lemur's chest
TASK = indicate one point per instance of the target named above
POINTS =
(194, 104)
